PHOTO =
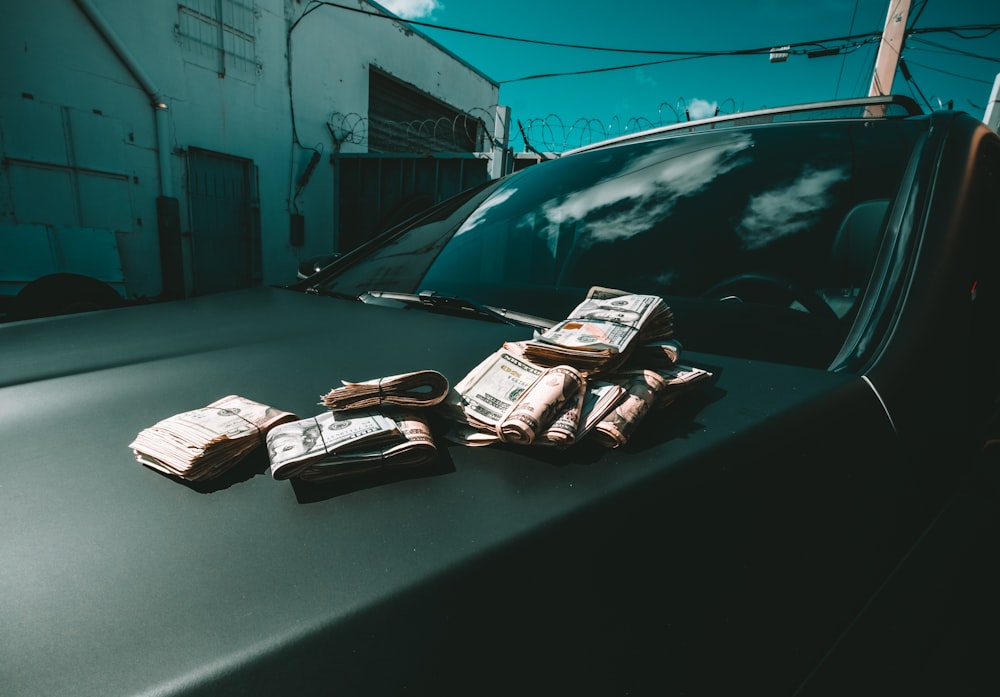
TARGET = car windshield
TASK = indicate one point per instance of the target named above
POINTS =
(759, 238)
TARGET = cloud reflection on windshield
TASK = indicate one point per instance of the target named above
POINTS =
(479, 215)
(794, 208)
(650, 185)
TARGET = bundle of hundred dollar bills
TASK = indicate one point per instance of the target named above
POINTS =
(334, 445)
(422, 388)
(203, 443)
(370, 425)
(595, 374)
(507, 398)
(602, 331)
(599, 371)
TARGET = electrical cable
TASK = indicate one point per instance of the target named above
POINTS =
(848, 43)
(950, 74)
(843, 62)
(910, 82)
(798, 47)
(955, 51)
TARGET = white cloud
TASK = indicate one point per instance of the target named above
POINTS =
(412, 9)
(701, 109)
(633, 200)
(779, 213)
(479, 215)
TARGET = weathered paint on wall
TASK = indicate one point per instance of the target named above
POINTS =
(79, 137)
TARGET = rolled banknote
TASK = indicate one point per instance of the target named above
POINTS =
(490, 389)
(563, 430)
(618, 425)
(576, 420)
(537, 406)
(645, 389)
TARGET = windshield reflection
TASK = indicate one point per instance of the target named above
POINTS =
(789, 209)
(650, 185)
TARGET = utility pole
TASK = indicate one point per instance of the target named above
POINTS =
(992, 116)
(889, 48)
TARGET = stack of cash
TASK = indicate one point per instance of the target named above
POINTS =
(577, 419)
(600, 332)
(512, 398)
(644, 390)
(202, 444)
(423, 388)
(339, 444)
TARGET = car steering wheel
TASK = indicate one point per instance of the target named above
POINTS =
(760, 287)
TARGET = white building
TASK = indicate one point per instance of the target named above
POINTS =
(178, 147)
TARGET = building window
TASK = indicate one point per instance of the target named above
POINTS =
(220, 35)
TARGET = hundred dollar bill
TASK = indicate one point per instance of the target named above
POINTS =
(490, 389)
(416, 448)
(658, 326)
(563, 430)
(536, 407)
(601, 331)
(645, 389)
(203, 443)
(294, 446)
(618, 425)
(422, 388)
(679, 379)
(575, 421)
(512, 397)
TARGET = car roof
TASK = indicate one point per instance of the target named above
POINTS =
(882, 108)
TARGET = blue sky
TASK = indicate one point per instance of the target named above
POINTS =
(566, 111)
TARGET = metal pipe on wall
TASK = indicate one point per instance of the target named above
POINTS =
(156, 98)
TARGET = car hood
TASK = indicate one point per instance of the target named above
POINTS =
(118, 580)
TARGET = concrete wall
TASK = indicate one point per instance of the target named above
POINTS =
(79, 133)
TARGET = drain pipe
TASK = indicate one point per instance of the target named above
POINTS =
(159, 102)
(168, 217)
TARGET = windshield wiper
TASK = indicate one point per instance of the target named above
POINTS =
(461, 306)
(317, 290)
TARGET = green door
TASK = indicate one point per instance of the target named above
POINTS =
(224, 213)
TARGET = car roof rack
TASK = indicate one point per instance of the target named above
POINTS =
(882, 107)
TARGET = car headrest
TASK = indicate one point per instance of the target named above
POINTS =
(857, 241)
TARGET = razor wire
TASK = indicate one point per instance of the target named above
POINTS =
(473, 131)
(466, 132)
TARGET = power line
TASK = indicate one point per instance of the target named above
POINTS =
(956, 51)
(843, 62)
(950, 74)
(798, 47)
(833, 45)
(844, 49)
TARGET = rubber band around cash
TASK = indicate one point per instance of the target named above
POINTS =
(319, 432)
(260, 432)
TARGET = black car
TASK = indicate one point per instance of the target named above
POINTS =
(817, 518)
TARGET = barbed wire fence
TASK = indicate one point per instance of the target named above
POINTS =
(475, 131)
(467, 132)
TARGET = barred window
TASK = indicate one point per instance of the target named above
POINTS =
(220, 35)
